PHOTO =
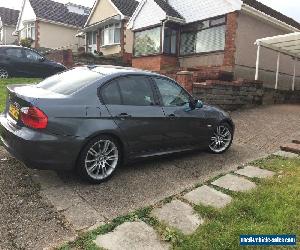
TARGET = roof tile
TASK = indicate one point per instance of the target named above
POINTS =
(126, 7)
(57, 12)
(9, 16)
(273, 13)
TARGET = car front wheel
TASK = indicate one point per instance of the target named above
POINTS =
(3, 73)
(221, 139)
(99, 159)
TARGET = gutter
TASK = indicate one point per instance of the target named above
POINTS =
(254, 12)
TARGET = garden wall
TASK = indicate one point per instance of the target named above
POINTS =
(230, 95)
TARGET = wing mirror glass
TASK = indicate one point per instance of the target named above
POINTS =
(199, 104)
(196, 104)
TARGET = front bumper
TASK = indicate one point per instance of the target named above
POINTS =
(39, 150)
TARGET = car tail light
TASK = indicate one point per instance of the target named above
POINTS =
(33, 117)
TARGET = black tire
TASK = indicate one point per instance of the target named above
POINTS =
(87, 160)
(228, 141)
(4, 74)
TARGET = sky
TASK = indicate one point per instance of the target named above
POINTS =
(288, 7)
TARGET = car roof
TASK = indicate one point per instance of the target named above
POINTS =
(112, 70)
(10, 46)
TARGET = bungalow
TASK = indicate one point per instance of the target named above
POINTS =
(105, 28)
(51, 25)
(210, 36)
(8, 22)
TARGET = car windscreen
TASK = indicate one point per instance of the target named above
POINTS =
(70, 81)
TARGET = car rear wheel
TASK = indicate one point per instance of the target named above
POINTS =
(3, 73)
(221, 139)
(99, 159)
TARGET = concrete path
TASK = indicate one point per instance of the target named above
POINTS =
(178, 214)
(258, 132)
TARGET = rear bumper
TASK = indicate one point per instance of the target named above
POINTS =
(39, 150)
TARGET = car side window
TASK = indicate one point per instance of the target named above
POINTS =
(111, 94)
(172, 94)
(136, 91)
(14, 52)
(32, 56)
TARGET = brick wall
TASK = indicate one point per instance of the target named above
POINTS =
(62, 56)
(230, 47)
(155, 62)
(230, 95)
(273, 96)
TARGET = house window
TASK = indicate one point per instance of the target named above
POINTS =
(147, 42)
(28, 30)
(204, 37)
(170, 41)
(111, 34)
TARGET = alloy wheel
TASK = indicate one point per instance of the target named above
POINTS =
(3, 73)
(221, 139)
(101, 159)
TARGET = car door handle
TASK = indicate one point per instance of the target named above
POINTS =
(124, 116)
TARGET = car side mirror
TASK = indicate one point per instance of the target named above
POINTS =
(196, 104)
(42, 59)
(199, 104)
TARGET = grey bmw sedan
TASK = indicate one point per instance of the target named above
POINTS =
(92, 119)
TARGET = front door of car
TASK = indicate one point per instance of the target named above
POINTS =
(132, 103)
(35, 65)
(187, 126)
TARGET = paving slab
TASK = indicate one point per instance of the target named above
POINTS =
(82, 216)
(234, 183)
(131, 236)
(179, 215)
(291, 147)
(208, 196)
(252, 172)
(285, 154)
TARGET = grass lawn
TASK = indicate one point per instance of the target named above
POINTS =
(5, 82)
(271, 208)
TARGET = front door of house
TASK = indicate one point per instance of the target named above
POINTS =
(92, 41)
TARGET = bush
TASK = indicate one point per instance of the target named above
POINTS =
(26, 42)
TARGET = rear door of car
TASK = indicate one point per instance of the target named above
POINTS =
(187, 126)
(134, 107)
(15, 59)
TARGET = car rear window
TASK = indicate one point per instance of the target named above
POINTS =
(70, 81)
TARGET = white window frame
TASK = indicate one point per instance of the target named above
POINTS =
(105, 31)
(29, 30)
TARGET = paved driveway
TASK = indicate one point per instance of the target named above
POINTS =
(258, 132)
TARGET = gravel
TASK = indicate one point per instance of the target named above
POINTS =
(27, 221)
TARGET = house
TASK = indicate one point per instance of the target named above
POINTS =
(52, 25)
(8, 22)
(210, 36)
(106, 30)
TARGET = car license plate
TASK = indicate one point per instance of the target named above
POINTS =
(14, 111)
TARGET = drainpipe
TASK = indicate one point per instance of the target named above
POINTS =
(4, 35)
(163, 36)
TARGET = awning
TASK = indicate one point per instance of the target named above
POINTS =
(288, 44)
